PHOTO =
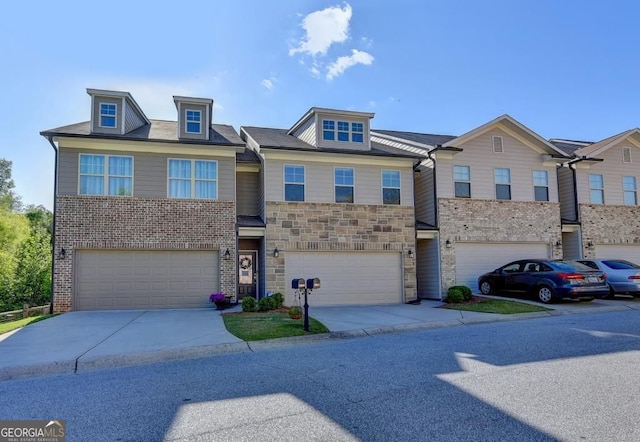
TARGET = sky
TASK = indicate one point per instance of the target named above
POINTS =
(565, 69)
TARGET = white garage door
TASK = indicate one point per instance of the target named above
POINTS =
(608, 251)
(474, 259)
(347, 277)
(126, 279)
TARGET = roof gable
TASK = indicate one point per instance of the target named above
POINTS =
(631, 136)
(516, 130)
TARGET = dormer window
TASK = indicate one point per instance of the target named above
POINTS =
(343, 131)
(108, 114)
(193, 121)
(357, 132)
(328, 130)
(347, 131)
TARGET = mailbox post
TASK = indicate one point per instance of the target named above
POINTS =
(300, 285)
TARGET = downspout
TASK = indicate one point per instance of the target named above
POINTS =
(53, 233)
(435, 189)
(575, 193)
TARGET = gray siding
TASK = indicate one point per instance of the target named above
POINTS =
(149, 172)
(425, 203)
(132, 120)
(478, 154)
(566, 192)
(95, 115)
(261, 194)
(612, 169)
(307, 132)
(428, 274)
(571, 248)
(319, 182)
(183, 107)
(247, 193)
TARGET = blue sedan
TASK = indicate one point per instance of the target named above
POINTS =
(623, 276)
(546, 280)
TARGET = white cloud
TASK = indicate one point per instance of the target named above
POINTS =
(324, 28)
(343, 63)
(267, 83)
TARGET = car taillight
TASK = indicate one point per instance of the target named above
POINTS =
(634, 277)
(570, 276)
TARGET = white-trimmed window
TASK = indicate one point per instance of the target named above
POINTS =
(503, 183)
(626, 154)
(293, 182)
(108, 114)
(541, 185)
(596, 188)
(344, 131)
(105, 175)
(462, 181)
(391, 187)
(630, 190)
(497, 144)
(344, 184)
(192, 121)
(192, 179)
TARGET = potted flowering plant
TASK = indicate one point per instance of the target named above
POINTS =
(219, 299)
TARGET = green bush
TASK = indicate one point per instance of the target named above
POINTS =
(454, 295)
(267, 303)
(466, 291)
(249, 304)
(278, 299)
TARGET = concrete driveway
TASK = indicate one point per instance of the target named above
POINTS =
(79, 341)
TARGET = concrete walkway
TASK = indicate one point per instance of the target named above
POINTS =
(79, 341)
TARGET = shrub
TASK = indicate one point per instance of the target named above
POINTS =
(249, 304)
(454, 295)
(466, 291)
(295, 313)
(267, 303)
(278, 299)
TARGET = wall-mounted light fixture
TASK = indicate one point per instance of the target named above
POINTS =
(62, 254)
(589, 245)
(410, 253)
(447, 244)
(227, 254)
(558, 243)
(276, 252)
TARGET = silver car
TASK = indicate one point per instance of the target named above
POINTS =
(623, 276)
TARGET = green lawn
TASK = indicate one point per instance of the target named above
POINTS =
(10, 326)
(498, 306)
(268, 325)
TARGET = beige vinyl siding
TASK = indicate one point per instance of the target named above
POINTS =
(247, 193)
(319, 182)
(149, 173)
(478, 153)
(95, 116)
(428, 274)
(132, 120)
(567, 194)
(365, 145)
(612, 170)
(425, 204)
(307, 132)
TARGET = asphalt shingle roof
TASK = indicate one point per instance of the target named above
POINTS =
(430, 139)
(567, 146)
(158, 130)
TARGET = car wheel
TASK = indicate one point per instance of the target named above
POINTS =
(486, 288)
(545, 294)
(610, 295)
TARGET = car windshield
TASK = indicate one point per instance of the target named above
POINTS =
(571, 266)
(620, 265)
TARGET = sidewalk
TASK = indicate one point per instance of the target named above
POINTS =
(80, 341)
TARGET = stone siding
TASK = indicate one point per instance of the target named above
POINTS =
(493, 221)
(349, 227)
(98, 222)
(606, 224)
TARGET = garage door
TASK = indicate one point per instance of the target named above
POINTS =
(630, 252)
(125, 279)
(348, 278)
(474, 259)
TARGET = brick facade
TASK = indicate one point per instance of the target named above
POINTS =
(326, 226)
(609, 225)
(494, 221)
(97, 222)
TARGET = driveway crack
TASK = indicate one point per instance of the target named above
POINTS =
(75, 367)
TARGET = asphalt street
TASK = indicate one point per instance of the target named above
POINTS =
(569, 378)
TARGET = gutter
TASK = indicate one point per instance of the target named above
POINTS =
(53, 233)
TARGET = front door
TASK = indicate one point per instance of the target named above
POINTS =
(247, 274)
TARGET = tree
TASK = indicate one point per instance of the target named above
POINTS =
(39, 218)
(8, 198)
(32, 282)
